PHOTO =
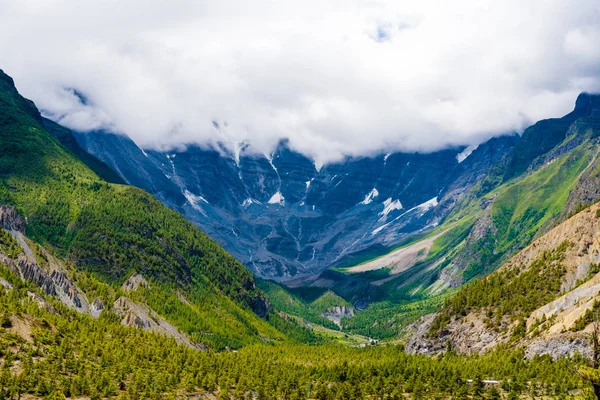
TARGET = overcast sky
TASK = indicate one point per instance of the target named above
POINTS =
(335, 77)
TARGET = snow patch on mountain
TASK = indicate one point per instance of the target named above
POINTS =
(249, 201)
(390, 205)
(370, 196)
(318, 166)
(308, 183)
(237, 150)
(462, 156)
(269, 158)
(379, 229)
(194, 200)
(277, 198)
(428, 204)
(423, 207)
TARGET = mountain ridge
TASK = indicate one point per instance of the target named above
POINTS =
(280, 216)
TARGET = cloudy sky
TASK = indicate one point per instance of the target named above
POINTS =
(335, 77)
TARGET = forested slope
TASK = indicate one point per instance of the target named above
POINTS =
(113, 231)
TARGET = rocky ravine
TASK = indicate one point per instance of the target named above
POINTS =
(469, 334)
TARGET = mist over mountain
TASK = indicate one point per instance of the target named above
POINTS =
(335, 80)
(284, 217)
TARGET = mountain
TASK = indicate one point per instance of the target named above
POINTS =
(496, 218)
(107, 293)
(391, 234)
(89, 241)
(543, 299)
(284, 217)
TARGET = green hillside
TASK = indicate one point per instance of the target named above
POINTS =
(61, 353)
(284, 300)
(112, 231)
(108, 229)
(66, 138)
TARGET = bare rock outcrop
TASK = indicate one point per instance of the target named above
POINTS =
(5, 284)
(142, 317)
(336, 313)
(69, 293)
(468, 335)
(563, 345)
(418, 342)
(54, 283)
(134, 282)
(41, 302)
(51, 277)
(10, 219)
(30, 271)
(96, 308)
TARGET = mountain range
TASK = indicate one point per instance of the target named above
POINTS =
(141, 273)
(283, 216)
(434, 220)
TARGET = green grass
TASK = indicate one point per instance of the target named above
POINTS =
(523, 207)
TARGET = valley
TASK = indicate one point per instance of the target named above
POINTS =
(392, 276)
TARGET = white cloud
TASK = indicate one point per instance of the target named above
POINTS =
(350, 77)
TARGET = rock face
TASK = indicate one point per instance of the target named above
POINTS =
(134, 282)
(96, 308)
(335, 314)
(52, 277)
(285, 217)
(141, 317)
(566, 345)
(5, 284)
(466, 336)
(10, 220)
(417, 340)
(54, 283)
(41, 302)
